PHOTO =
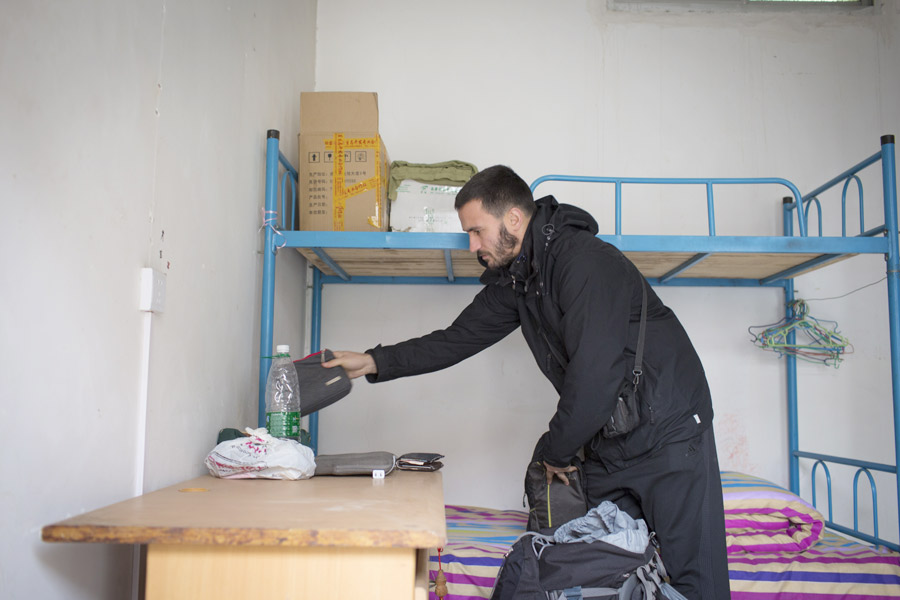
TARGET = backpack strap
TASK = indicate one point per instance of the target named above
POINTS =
(644, 584)
(587, 593)
(539, 541)
(627, 590)
(650, 580)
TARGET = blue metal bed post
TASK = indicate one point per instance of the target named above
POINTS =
(789, 204)
(268, 283)
(889, 181)
(315, 342)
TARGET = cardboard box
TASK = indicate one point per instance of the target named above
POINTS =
(343, 164)
(425, 207)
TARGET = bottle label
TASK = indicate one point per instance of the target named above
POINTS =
(283, 424)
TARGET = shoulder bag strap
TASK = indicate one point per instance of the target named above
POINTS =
(639, 351)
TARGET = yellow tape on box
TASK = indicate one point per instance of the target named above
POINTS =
(340, 193)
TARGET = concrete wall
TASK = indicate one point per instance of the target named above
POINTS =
(609, 88)
(133, 135)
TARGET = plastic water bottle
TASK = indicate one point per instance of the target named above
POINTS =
(283, 396)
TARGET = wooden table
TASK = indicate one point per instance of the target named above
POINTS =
(325, 537)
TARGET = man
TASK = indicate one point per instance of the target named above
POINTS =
(578, 301)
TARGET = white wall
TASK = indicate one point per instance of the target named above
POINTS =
(578, 87)
(121, 120)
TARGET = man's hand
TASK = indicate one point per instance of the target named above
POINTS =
(355, 363)
(559, 472)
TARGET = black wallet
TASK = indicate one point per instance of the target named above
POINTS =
(320, 387)
(420, 461)
(366, 463)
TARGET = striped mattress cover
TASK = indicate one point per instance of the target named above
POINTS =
(777, 549)
(477, 540)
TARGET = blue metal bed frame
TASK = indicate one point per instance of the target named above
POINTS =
(879, 240)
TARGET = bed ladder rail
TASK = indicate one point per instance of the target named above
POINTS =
(274, 221)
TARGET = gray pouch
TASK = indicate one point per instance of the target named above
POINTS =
(355, 463)
(320, 387)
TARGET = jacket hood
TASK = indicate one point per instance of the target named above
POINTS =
(561, 216)
(550, 220)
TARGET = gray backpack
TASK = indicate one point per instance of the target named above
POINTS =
(604, 555)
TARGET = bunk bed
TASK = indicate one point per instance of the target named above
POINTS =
(797, 551)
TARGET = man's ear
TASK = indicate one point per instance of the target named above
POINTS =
(515, 220)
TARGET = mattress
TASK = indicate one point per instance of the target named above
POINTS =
(477, 541)
(778, 549)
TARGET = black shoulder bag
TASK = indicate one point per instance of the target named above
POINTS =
(626, 415)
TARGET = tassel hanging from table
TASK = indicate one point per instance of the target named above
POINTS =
(440, 580)
(814, 340)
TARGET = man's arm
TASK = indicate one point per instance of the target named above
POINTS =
(490, 317)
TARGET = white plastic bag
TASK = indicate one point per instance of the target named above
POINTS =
(261, 456)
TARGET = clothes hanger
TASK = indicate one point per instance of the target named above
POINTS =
(815, 340)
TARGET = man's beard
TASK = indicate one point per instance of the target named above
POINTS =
(504, 250)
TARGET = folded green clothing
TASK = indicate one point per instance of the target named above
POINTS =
(451, 172)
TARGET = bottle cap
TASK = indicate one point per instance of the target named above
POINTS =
(282, 349)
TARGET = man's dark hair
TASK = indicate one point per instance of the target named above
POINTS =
(499, 189)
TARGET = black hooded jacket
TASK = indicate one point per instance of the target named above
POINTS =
(578, 301)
